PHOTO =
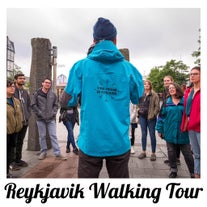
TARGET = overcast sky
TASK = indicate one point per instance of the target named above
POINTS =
(153, 36)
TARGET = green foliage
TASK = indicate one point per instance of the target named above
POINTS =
(11, 75)
(27, 86)
(177, 69)
(197, 53)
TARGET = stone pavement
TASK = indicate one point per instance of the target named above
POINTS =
(52, 168)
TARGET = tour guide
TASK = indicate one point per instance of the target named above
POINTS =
(105, 83)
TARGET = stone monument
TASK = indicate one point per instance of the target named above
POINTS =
(125, 53)
(41, 68)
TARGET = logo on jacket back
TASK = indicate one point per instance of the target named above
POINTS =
(106, 89)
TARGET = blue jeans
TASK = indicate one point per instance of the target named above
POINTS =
(69, 126)
(51, 127)
(150, 124)
(195, 145)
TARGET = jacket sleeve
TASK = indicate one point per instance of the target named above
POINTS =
(157, 104)
(73, 88)
(64, 99)
(34, 105)
(133, 113)
(29, 105)
(136, 86)
(160, 121)
(184, 123)
(55, 105)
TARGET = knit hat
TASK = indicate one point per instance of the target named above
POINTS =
(104, 30)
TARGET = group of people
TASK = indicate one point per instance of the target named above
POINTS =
(104, 84)
(18, 113)
(177, 122)
(107, 84)
(45, 106)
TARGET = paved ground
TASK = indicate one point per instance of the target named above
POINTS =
(52, 168)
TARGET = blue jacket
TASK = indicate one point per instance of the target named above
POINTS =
(169, 122)
(106, 83)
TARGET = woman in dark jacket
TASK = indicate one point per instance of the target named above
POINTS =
(168, 127)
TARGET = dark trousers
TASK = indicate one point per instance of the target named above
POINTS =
(17, 151)
(186, 151)
(133, 127)
(11, 143)
(90, 167)
(177, 151)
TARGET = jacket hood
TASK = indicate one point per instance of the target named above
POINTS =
(106, 51)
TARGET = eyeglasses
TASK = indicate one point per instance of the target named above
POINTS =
(194, 74)
(47, 82)
(10, 86)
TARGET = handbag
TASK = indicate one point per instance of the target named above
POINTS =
(63, 116)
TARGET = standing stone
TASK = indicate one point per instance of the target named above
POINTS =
(125, 53)
(40, 68)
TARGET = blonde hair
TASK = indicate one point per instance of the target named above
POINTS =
(170, 77)
(150, 83)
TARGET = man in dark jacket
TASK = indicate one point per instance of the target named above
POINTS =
(23, 96)
(44, 105)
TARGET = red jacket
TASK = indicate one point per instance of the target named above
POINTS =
(193, 123)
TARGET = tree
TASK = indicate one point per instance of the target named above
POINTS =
(16, 70)
(177, 69)
(197, 53)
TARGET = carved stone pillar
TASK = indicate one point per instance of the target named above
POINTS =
(40, 69)
(125, 53)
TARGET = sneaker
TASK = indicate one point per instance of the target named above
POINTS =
(142, 156)
(197, 175)
(60, 157)
(67, 150)
(192, 175)
(42, 156)
(132, 150)
(14, 167)
(75, 151)
(173, 175)
(21, 163)
(153, 157)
